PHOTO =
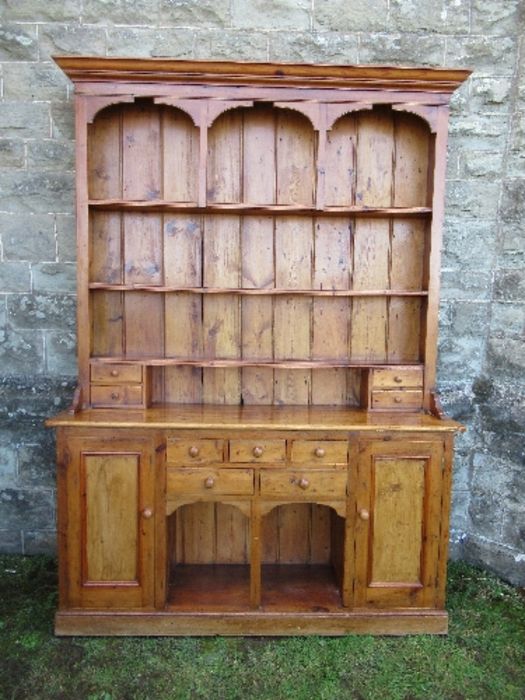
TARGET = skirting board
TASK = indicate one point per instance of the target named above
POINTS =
(249, 624)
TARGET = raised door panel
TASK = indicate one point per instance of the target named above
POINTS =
(398, 500)
(111, 511)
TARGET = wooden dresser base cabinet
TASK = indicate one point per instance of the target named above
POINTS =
(255, 445)
(152, 543)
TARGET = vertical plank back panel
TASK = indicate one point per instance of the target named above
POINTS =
(142, 179)
(374, 185)
(258, 270)
(182, 258)
(332, 261)
(293, 255)
(180, 157)
(412, 137)
(105, 264)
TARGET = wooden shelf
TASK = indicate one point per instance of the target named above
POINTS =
(256, 209)
(300, 587)
(207, 587)
(259, 291)
(239, 363)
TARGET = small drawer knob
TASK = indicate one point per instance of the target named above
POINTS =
(115, 395)
(209, 482)
(194, 451)
(398, 379)
(303, 483)
(397, 399)
(147, 513)
(114, 372)
(257, 451)
(364, 514)
(319, 452)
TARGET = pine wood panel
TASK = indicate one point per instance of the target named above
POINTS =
(258, 270)
(105, 181)
(374, 183)
(398, 500)
(221, 315)
(111, 513)
(211, 533)
(411, 183)
(142, 179)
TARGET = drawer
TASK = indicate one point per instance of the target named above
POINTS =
(320, 451)
(257, 451)
(303, 483)
(116, 395)
(199, 451)
(392, 399)
(231, 482)
(116, 374)
(397, 377)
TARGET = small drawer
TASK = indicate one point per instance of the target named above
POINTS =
(116, 395)
(319, 451)
(397, 377)
(303, 484)
(257, 451)
(232, 482)
(393, 399)
(181, 452)
(116, 374)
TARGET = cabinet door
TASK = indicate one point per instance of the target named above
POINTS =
(398, 522)
(108, 535)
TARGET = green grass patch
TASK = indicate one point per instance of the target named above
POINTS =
(483, 656)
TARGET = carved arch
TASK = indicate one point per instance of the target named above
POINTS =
(428, 113)
(96, 104)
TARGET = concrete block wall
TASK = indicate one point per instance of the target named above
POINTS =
(482, 357)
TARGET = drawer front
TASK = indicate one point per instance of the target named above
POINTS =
(392, 399)
(257, 451)
(116, 395)
(116, 374)
(303, 484)
(397, 377)
(319, 451)
(182, 452)
(232, 482)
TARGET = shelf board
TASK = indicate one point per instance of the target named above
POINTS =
(240, 363)
(166, 206)
(209, 587)
(259, 291)
(299, 587)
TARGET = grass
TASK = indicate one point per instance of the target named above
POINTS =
(482, 657)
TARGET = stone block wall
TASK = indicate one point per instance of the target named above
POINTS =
(482, 356)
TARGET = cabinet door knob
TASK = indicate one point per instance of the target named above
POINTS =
(194, 451)
(147, 513)
(209, 483)
(364, 514)
(114, 372)
(319, 452)
(398, 379)
(397, 399)
(114, 395)
(303, 483)
(257, 451)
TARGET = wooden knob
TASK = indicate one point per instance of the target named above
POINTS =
(114, 395)
(257, 451)
(209, 483)
(364, 514)
(114, 372)
(397, 399)
(147, 513)
(398, 379)
(194, 451)
(303, 484)
(319, 452)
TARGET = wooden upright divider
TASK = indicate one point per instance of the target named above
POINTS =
(255, 445)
